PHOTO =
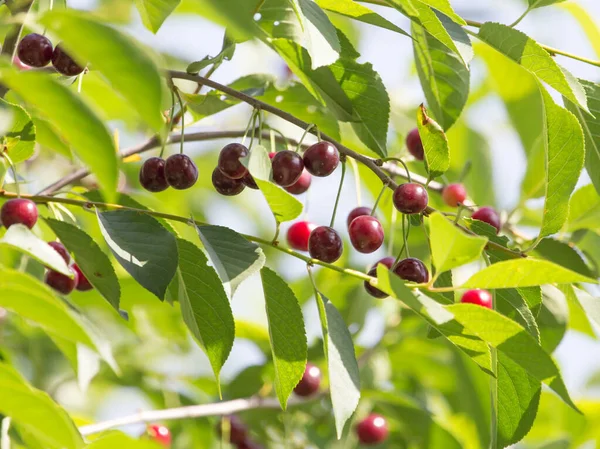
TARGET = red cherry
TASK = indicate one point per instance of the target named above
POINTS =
(415, 145)
(83, 284)
(180, 171)
(298, 234)
(20, 64)
(372, 430)
(478, 297)
(272, 155)
(325, 244)
(61, 283)
(287, 168)
(249, 181)
(489, 216)
(454, 194)
(19, 211)
(249, 444)
(63, 63)
(60, 249)
(413, 270)
(388, 262)
(152, 175)
(357, 212)
(35, 50)
(225, 185)
(321, 159)
(310, 382)
(410, 198)
(229, 160)
(161, 434)
(301, 185)
(366, 234)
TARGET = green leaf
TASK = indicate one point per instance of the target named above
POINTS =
(539, 3)
(590, 305)
(444, 77)
(146, 250)
(445, 7)
(114, 439)
(580, 316)
(287, 334)
(155, 12)
(94, 264)
(450, 246)
(20, 137)
(47, 137)
(563, 254)
(234, 257)
(584, 209)
(435, 144)
(21, 238)
(526, 272)
(344, 378)
(204, 305)
(72, 118)
(514, 304)
(113, 54)
(285, 207)
(530, 55)
(35, 412)
(236, 15)
(226, 53)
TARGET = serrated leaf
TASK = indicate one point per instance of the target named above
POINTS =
(584, 209)
(539, 3)
(94, 264)
(487, 230)
(142, 246)
(526, 272)
(445, 7)
(511, 302)
(226, 53)
(204, 305)
(451, 247)
(112, 53)
(435, 144)
(285, 207)
(155, 12)
(287, 334)
(21, 129)
(563, 254)
(47, 137)
(21, 238)
(344, 377)
(234, 257)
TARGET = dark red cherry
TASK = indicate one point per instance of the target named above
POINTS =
(229, 160)
(478, 297)
(489, 216)
(61, 283)
(60, 249)
(454, 194)
(412, 270)
(152, 175)
(310, 382)
(301, 185)
(249, 444)
(388, 262)
(226, 186)
(287, 168)
(83, 283)
(325, 244)
(35, 50)
(321, 159)
(19, 211)
(372, 430)
(410, 198)
(161, 434)
(357, 212)
(238, 432)
(63, 63)
(180, 171)
(248, 181)
(415, 145)
(366, 234)
(298, 234)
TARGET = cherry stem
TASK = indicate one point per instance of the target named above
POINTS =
(381, 192)
(182, 120)
(306, 131)
(255, 116)
(283, 137)
(169, 124)
(14, 172)
(276, 236)
(397, 159)
(260, 127)
(465, 171)
(250, 123)
(356, 173)
(339, 193)
(404, 238)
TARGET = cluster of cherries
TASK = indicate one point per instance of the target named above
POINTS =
(178, 171)
(25, 212)
(36, 50)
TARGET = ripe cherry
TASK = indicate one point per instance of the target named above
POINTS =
(161, 434)
(61, 283)
(388, 262)
(287, 168)
(489, 216)
(321, 159)
(238, 432)
(310, 382)
(35, 50)
(60, 249)
(19, 210)
(357, 212)
(298, 234)
(20, 64)
(249, 181)
(325, 244)
(152, 175)
(226, 186)
(412, 270)
(372, 430)
(478, 297)
(410, 198)
(454, 194)
(415, 145)
(180, 171)
(301, 185)
(366, 234)
(63, 63)
(229, 160)
(83, 283)
(249, 444)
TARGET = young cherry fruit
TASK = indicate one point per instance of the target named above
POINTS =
(310, 382)
(287, 168)
(301, 185)
(415, 145)
(454, 194)
(375, 292)
(325, 244)
(229, 160)
(366, 234)
(159, 433)
(152, 175)
(61, 283)
(488, 215)
(372, 430)
(321, 159)
(63, 63)
(225, 185)
(298, 234)
(180, 171)
(410, 198)
(413, 270)
(35, 50)
(357, 212)
(478, 297)
(19, 211)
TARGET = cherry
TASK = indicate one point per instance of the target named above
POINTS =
(20, 64)
(478, 297)
(83, 283)
(226, 186)
(321, 159)
(310, 382)
(238, 432)
(298, 234)
(61, 283)
(272, 154)
(357, 212)
(388, 262)
(19, 210)
(248, 181)
(372, 430)
(229, 160)
(159, 433)
(489, 216)
(287, 168)
(63, 63)
(415, 145)
(60, 249)
(152, 175)
(410, 198)
(249, 444)
(325, 244)
(413, 270)
(180, 171)
(366, 234)
(301, 185)
(454, 194)
(35, 50)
